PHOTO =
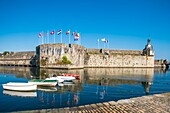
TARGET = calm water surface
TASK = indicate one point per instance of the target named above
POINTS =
(96, 85)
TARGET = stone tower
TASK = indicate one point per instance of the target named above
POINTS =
(148, 50)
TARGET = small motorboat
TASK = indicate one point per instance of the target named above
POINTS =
(63, 78)
(72, 75)
(40, 82)
(19, 86)
(59, 80)
(20, 94)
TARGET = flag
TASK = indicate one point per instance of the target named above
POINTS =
(52, 32)
(68, 32)
(73, 33)
(59, 32)
(40, 35)
(106, 41)
(76, 37)
(103, 39)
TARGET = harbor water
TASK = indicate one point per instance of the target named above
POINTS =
(95, 85)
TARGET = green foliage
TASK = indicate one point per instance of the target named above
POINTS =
(7, 53)
(64, 61)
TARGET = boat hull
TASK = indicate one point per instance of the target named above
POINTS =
(71, 75)
(43, 82)
(59, 80)
(19, 87)
(65, 78)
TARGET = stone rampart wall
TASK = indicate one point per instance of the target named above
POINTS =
(118, 60)
(19, 59)
(129, 52)
(52, 54)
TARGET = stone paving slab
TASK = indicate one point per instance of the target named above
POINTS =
(158, 103)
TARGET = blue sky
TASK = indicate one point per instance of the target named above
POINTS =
(125, 23)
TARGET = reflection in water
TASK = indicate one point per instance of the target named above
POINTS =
(118, 76)
(21, 94)
(76, 99)
(146, 86)
(161, 70)
(95, 85)
(98, 76)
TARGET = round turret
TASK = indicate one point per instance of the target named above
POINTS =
(148, 50)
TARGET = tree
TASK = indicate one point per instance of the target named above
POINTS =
(6, 53)
(65, 60)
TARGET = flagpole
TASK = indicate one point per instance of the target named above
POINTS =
(98, 43)
(108, 44)
(69, 39)
(39, 41)
(42, 37)
(80, 38)
(61, 36)
(48, 36)
(104, 45)
(54, 36)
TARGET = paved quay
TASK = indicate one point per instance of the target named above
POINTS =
(158, 103)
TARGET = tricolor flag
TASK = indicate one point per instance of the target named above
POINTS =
(73, 33)
(106, 41)
(52, 32)
(59, 32)
(40, 35)
(68, 32)
(76, 37)
(103, 39)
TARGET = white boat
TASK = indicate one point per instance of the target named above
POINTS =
(19, 86)
(64, 78)
(59, 80)
(39, 82)
(19, 93)
(72, 75)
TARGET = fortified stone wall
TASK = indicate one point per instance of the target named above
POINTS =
(76, 56)
(118, 60)
(127, 52)
(51, 55)
(19, 59)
